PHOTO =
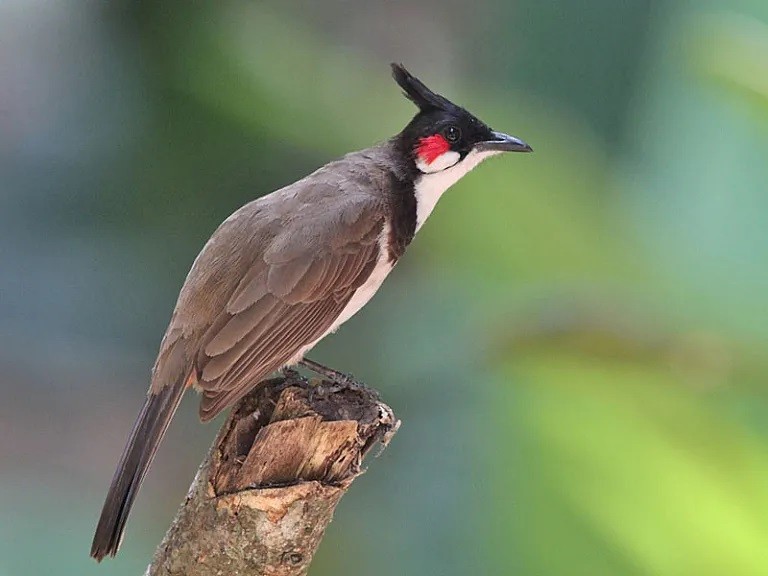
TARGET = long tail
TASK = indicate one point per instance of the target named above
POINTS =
(148, 431)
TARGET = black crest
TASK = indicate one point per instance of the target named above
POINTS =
(415, 90)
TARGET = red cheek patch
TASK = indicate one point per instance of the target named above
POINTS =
(432, 147)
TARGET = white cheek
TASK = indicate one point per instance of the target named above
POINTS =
(445, 160)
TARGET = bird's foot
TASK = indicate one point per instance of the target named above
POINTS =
(330, 373)
(290, 373)
(337, 382)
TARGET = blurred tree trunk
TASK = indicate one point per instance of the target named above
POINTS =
(266, 492)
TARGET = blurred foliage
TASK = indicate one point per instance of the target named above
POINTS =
(653, 471)
(735, 56)
(575, 342)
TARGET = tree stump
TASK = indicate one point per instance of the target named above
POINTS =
(263, 497)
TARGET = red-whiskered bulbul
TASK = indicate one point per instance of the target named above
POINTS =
(289, 268)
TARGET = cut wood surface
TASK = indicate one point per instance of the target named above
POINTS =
(266, 492)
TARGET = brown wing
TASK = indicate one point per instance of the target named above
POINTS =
(281, 306)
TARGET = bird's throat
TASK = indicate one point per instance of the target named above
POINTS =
(429, 187)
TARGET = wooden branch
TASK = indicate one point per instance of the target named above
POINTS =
(266, 492)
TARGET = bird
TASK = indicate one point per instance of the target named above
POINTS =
(287, 269)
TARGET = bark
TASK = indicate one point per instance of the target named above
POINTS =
(266, 492)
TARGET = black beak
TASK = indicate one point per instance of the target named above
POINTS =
(503, 143)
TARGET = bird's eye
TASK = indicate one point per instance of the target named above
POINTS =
(452, 133)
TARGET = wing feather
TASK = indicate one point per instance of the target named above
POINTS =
(283, 305)
(238, 326)
(283, 279)
(251, 355)
(270, 355)
(217, 361)
(251, 289)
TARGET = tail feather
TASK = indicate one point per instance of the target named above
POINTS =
(148, 431)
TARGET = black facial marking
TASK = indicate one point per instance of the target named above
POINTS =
(403, 220)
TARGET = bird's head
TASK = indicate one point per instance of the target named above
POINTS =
(446, 137)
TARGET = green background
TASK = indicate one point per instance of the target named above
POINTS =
(576, 342)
